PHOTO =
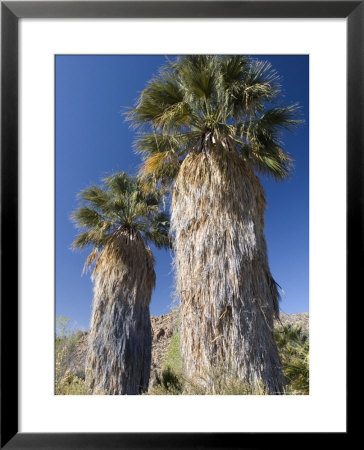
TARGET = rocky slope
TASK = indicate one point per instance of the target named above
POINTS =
(295, 319)
(162, 330)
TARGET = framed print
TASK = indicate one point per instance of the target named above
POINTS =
(46, 48)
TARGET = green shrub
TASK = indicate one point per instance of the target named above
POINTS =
(173, 359)
(293, 345)
(171, 381)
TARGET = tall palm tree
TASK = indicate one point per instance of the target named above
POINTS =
(208, 124)
(118, 220)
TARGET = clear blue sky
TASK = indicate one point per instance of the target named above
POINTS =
(93, 140)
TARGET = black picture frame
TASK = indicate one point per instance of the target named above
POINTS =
(11, 12)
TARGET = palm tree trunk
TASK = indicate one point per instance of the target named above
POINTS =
(120, 341)
(228, 297)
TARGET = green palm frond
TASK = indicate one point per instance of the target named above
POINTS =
(96, 196)
(198, 78)
(161, 165)
(120, 203)
(261, 80)
(95, 238)
(270, 160)
(83, 239)
(119, 184)
(87, 217)
(158, 232)
(233, 68)
(154, 143)
(272, 121)
(161, 103)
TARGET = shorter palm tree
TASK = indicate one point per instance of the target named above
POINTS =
(118, 220)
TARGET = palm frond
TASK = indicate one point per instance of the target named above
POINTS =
(233, 67)
(94, 238)
(279, 117)
(261, 80)
(158, 232)
(271, 161)
(199, 79)
(87, 217)
(97, 197)
(119, 184)
(161, 100)
(161, 165)
(156, 142)
(90, 260)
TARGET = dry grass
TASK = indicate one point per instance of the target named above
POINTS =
(217, 382)
(119, 355)
(228, 297)
(66, 381)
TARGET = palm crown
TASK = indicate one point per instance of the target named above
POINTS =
(198, 102)
(120, 205)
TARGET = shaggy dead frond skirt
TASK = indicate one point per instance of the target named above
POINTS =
(228, 297)
(119, 354)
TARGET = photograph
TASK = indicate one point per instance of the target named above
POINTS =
(181, 224)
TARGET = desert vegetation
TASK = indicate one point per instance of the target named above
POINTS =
(292, 340)
(293, 344)
(68, 380)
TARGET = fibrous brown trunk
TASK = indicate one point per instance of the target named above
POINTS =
(228, 298)
(119, 353)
